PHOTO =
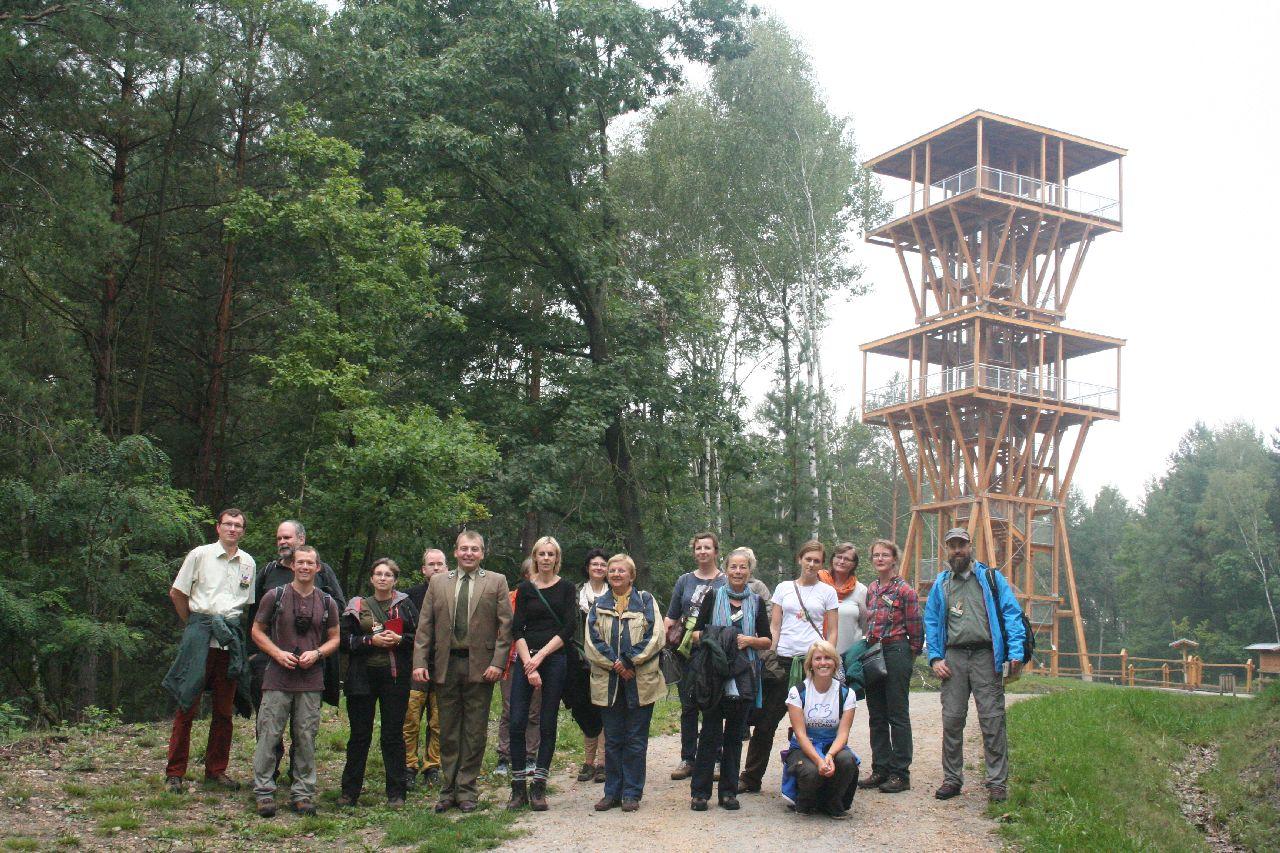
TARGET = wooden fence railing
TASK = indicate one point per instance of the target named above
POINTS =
(1187, 673)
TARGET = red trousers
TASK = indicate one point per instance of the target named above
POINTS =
(218, 752)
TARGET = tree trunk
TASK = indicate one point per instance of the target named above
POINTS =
(104, 402)
(790, 445)
(533, 392)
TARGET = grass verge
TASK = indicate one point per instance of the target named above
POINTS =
(1094, 762)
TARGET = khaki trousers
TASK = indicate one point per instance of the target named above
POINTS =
(973, 673)
(422, 702)
(464, 728)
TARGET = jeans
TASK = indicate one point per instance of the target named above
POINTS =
(626, 741)
(825, 793)
(301, 713)
(392, 694)
(721, 728)
(223, 694)
(688, 722)
(973, 672)
(553, 671)
(771, 711)
(889, 714)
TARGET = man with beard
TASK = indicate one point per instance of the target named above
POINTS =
(422, 697)
(973, 627)
(291, 535)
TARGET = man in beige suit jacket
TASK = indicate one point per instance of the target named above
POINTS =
(464, 656)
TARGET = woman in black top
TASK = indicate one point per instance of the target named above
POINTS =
(377, 636)
(542, 631)
(746, 617)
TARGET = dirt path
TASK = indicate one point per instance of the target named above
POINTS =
(910, 821)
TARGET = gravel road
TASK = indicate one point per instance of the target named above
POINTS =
(909, 821)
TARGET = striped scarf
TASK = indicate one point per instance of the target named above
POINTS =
(722, 613)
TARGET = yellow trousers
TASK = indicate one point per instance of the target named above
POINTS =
(421, 701)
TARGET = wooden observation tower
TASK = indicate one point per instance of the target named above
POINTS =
(988, 402)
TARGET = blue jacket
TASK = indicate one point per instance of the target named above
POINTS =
(999, 601)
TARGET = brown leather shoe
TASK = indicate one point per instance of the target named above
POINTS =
(223, 781)
(443, 806)
(266, 807)
(997, 793)
(875, 780)
(607, 803)
(946, 791)
(895, 785)
(683, 770)
(630, 805)
(538, 795)
(304, 807)
(747, 787)
(467, 806)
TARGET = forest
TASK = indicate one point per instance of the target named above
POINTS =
(398, 267)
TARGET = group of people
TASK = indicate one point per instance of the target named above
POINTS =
(743, 658)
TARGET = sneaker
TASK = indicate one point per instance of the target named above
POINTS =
(431, 778)
(174, 784)
(683, 770)
(895, 785)
(223, 781)
(630, 805)
(266, 807)
(698, 804)
(997, 793)
(607, 803)
(587, 773)
(875, 780)
(600, 774)
(304, 807)
(946, 791)
(503, 768)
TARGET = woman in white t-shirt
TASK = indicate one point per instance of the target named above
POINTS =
(803, 612)
(821, 772)
(852, 612)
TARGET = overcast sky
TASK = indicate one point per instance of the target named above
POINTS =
(1191, 282)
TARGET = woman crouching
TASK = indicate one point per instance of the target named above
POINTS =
(821, 772)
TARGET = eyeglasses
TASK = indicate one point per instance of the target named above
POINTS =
(234, 525)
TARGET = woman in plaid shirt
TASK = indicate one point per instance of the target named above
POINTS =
(893, 621)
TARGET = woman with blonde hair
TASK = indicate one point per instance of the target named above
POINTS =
(623, 641)
(542, 632)
(820, 772)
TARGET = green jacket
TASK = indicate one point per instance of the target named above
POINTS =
(185, 679)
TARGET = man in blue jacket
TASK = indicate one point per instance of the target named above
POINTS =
(973, 627)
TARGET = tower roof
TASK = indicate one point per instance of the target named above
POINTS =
(954, 147)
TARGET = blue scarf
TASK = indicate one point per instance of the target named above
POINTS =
(722, 615)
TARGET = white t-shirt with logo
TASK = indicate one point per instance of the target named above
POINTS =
(821, 710)
(797, 634)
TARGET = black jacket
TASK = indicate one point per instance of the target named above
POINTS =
(356, 646)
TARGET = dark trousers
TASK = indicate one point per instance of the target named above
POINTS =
(218, 751)
(823, 793)
(553, 672)
(577, 698)
(688, 722)
(889, 714)
(771, 711)
(626, 742)
(721, 728)
(392, 694)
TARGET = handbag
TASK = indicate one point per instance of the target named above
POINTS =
(873, 667)
(770, 668)
(670, 664)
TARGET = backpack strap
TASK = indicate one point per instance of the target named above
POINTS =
(278, 605)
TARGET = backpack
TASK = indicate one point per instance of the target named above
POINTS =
(278, 605)
(1028, 633)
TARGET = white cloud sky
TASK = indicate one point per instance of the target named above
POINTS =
(1191, 91)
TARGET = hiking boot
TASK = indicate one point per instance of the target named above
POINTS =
(304, 807)
(266, 807)
(538, 795)
(223, 781)
(895, 785)
(630, 805)
(443, 806)
(587, 773)
(747, 787)
(431, 778)
(730, 802)
(607, 803)
(347, 801)
(503, 768)
(519, 796)
(600, 774)
(411, 779)
(174, 784)
(683, 770)
(997, 793)
(875, 780)
(947, 790)
(698, 804)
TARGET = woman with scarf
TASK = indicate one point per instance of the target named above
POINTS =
(624, 636)
(852, 613)
(739, 612)
(377, 635)
(820, 772)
